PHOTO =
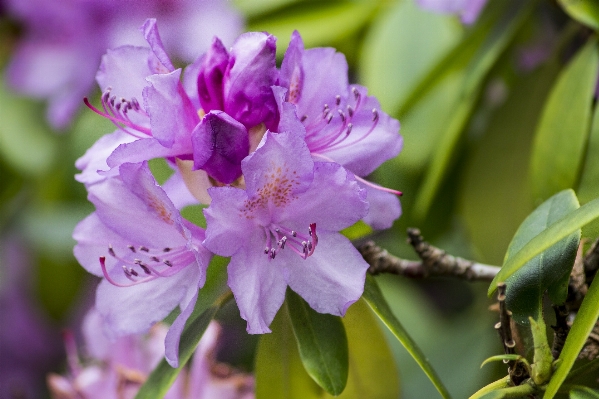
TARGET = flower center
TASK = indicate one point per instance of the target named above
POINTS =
(141, 264)
(279, 237)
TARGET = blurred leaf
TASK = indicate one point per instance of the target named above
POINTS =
(372, 370)
(588, 188)
(584, 393)
(584, 11)
(26, 142)
(562, 133)
(212, 296)
(253, 8)
(404, 44)
(279, 369)
(195, 214)
(357, 230)
(548, 271)
(321, 342)
(160, 169)
(583, 324)
(374, 298)
(491, 388)
(501, 31)
(555, 233)
(319, 23)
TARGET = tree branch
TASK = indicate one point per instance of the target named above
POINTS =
(434, 262)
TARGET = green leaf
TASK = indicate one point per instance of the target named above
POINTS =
(319, 24)
(322, 344)
(491, 388)
(279, 369)
(195, 214)
(583, 324)
(160, 169)
(374, 297)
(558, 231)
(357, 230)
(27, 144)
(212, 297)
(372, 369)
(584, 393)
(501, 32)
(549, 270)
(588, 187)
(562, 133)
(501, 357)
(584, 11)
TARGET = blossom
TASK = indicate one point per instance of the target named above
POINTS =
(343, 124)
(116, 369)
(468, 10)
(282, 230)
(60, 51)
(150, 257)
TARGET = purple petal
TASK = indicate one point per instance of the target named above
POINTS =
(288, 120)
(210, 78)
(292, 74)
(178, 192)
(150, 32)
(172, 115)
(95, 157)
(135, 309)
(334, 200)
(139, 151)
(250, 74)
(124, 70)
(258, 285)
(219, 145)
(384, 208)
(173, 337)
(332, 278)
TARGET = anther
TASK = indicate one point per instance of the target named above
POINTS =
(111, 251)
(282, 242)
(266, 251)
(375, 115)
(166, 250)
(155, 259)
(303, 119)
(349, 128)
(294, 233)
(273, 253)
(132, 248)
(350, 111)
(329, 118)
(168, 263)
(337, 99)
(126, 271)
(118, 106)
(342, 115)
(145, 249)
(145, 268)
(133, 272)
(356, 93)
(112, 99)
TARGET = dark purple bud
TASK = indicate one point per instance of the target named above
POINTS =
(210, 78)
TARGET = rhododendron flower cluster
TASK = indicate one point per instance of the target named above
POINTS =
(279, 156)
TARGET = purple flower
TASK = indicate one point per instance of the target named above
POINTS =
(63, 41)
(282, 230)
(151, 258)
(468, 10)
(343, 124)
(116, 369)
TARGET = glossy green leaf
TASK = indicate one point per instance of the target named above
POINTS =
(319, 24)
(583, 324)
(322, 344)
(372, 369)
(558, 231)
(502, 30)
(549, 271)
(212, 296)
(27, 144)
(563, 130)
(585, 11)
(279, 369)
(374, 297)
(584, 393)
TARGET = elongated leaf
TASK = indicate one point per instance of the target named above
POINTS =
(321, 23)
(279, 369)
(558, 231)
(374, 297)
(588, 187)
(584, 393)
(372, 370)
(495, 42)
(583, 324)
(562, 133)
(585, 11)
(212, 296)
(322, 344)
(492, 387)
(547, 271)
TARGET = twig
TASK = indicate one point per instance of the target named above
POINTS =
(434, 262)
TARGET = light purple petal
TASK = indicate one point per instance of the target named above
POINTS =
(288, 120)
(124, 70)
(172, 115)
(139, 151)
(210, 78)
(150, 32)
(135, 309)
(219, 145)
(384, 208)
(250, 74)
(95, 157)
(292, 74)
(173, 337)
(332, 278)
(258, 285)
(178, 192)
(334, 201)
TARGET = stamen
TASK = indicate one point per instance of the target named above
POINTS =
(337, 99)
(166, 250)
(132, 248)
(168, 263)
(375, 115)
(111, 251)
(145, 249)
(303, 119)
(155, 259)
